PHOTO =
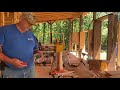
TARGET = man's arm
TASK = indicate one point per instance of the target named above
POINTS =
(4, 58)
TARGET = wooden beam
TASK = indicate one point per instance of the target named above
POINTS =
(102, 18)
(94, 15)
(51, 22)
(111, 41)
(97, 39)
(51, 16)
(118, 55)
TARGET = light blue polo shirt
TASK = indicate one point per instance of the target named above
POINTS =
(18, 45)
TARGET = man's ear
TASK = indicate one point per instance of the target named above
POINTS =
(21, 17)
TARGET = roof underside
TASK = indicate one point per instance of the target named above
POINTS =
(53, 16)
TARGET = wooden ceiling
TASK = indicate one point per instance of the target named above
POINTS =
(53, 16)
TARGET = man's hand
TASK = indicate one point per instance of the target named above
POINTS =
(18, 64)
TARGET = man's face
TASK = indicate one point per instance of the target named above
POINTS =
(27, 25)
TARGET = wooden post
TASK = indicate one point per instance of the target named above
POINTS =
(94, 15)
(44, 32)
(75, 47)
(1, 18)
(72, 46)
(50, 33)
(118, 55)
(111, 41)
(70, 34)
(59, 50)
(97, 39)
(82, 41)
(90, 44)
(59, 61)
(51, 22)
(80, 29)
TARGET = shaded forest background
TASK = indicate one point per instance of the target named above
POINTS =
(42, 30)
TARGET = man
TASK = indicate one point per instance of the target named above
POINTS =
(17, 44)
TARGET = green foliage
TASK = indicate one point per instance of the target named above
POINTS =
(76, 25)
(87, 22)
(104, 34)
(63, 27)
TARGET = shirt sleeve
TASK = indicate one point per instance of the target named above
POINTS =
(36, 44)
(1, 37)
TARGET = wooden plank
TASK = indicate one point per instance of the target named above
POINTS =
(2, 19)
(76, 37)
(10, 19)
(97, 39)
(111, 43)
(48, 16)
(82, 41)
(90, 44)
(113, 72)
(101, 65)
(51, 16)
(102, 18)
(114, 76)
(118, 57)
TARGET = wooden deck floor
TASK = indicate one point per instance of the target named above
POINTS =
(42, 71)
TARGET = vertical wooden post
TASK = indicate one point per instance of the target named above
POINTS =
(90, 44)
(59, 50)
(2, 19)
(94, 15)
(82, 40)
(70, 34)
(51, 22)
(118, 55)
(59, 61)
(80, 29)
(44, 32)
(75, 47)
(97, 39)
(111, 42)
(72, 44)
(50, 33)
